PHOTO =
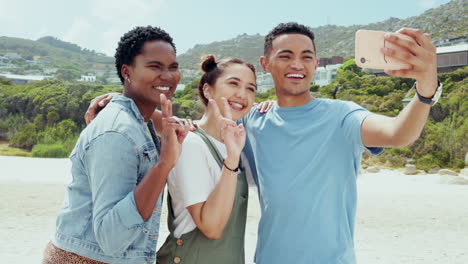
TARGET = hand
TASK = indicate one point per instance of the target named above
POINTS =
(420, 53)
(157, 119)
(232, 135)
(96, 105)
(173, 134)
(265, 106)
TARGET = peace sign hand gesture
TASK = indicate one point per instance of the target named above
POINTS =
(173, 134)
(232, 135)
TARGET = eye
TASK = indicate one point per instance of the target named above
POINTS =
(233, 83)
(155, 66)
(174, 67)
(251, 89)
(308, 57)
(284, 57)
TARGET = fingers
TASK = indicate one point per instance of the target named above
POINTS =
(96, 105)
(268, 106)
(191, 124)
(182, 132)
(105, 100)
(166, 106)
(403, 56)
(399, 73)
(215, 108)
(265, 106)
(227, 109)
(421, 38)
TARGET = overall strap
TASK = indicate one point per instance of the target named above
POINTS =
(214, 151)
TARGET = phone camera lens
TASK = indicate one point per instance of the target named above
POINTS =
(363, 60)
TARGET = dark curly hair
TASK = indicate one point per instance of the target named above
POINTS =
(213, 69)
(287, 28)
(131, 42)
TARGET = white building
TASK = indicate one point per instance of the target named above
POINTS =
(264, 82)
(325, 75)
(87, 78)
(24, 79)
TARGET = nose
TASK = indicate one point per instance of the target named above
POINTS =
(166, 75)
(296, 64)
(242, 93)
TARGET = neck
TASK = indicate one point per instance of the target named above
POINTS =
(290, 100)
(146, 108)
(208, 123)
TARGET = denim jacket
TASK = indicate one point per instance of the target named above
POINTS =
(99, 218)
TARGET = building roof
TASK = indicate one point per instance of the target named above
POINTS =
(450, 49)
(25, 77)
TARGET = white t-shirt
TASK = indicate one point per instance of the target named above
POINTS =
(193, 179)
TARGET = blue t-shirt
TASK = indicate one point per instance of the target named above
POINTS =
(305, 161)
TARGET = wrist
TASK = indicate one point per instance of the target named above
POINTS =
(231, 163)
(427, 89)
(164, 166)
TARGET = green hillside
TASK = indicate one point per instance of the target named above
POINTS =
(446, 21)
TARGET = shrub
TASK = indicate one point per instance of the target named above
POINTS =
(56, 150)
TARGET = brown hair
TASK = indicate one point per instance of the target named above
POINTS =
(213, 69)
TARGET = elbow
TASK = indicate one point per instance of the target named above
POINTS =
(399, 141)
(213, 233)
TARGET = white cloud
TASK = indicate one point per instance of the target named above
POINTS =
(80, 32)
(119, 16)
(427, 4)
(120, 11)
(9, 12)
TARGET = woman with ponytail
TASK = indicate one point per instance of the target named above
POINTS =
(207, 189)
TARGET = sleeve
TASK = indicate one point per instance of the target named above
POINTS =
(354, 116)
(192, 181)
(249, 115)
(249, 162)
(247, 169)
(112, 165)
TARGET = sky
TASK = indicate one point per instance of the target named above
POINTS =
(99, 24)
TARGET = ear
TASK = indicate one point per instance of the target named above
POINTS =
(317, 63)
(264, 62)
(125, 71)
(207, 91)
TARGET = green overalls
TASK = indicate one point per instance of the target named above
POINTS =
(193, 247)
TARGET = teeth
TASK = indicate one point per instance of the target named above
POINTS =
(295, 75)
(162, 88)
(237, 105)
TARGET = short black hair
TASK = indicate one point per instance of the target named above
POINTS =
(131, 42)
(287, 28)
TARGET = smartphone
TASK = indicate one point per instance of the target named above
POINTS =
(368, 54)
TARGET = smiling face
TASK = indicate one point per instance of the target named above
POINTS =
(236, 84)
(292, 62)
(153, 72)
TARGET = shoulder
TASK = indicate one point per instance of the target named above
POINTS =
(115, 118)
(193, 148)
(193, 140)
(340, 106)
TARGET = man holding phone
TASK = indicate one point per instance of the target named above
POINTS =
(306, 152)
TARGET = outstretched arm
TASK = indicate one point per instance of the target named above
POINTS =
(404, 129)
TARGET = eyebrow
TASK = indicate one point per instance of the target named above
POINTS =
(154, 62)
(237, 79)
(290, 51)
(161, 64)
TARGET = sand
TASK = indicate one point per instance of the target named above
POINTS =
(400, 218)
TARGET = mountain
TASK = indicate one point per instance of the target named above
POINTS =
(447, 21)
(54, 53)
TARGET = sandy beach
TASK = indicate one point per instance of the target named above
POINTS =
(400, 219)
